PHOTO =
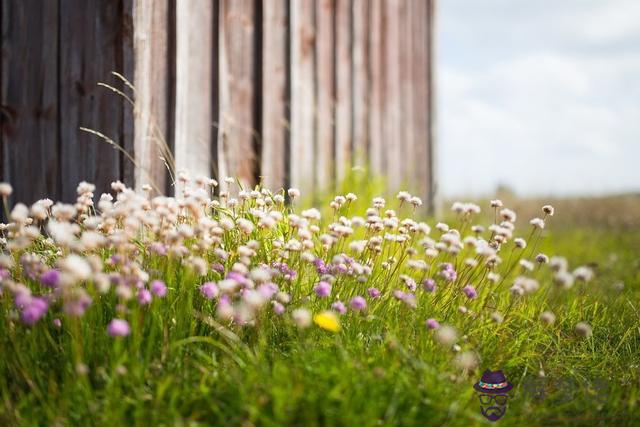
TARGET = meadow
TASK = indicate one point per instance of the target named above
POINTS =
(230, 306)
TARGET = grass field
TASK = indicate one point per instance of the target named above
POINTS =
(225, 354)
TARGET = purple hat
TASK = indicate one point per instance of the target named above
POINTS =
(493, 382)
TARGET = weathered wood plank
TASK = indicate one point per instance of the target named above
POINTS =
(194, 87)
(303, 103)
(325, 57)
(392, 101)
(377, 67)
(275, 126)
(407, 87)
(428, 67)
(344, 86)
(151, 52)
(361, 96)
(29, 99)
(237, 137)
(91, 47)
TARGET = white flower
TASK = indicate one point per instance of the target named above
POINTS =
(404, 196)
(446, 335)
(584, 329)
(583, 273)
(293, 193)
(508, 215)
(76, 266)
(548, 317)
(537, 222)
(497, 203)
(548, 209)
(302, 317)
(5, 189)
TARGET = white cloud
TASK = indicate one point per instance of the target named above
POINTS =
(544, 118)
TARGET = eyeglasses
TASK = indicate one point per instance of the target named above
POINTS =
(486, 399)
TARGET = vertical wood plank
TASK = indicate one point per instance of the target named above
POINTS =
(151, 52)
(84, 61)
(237, 135)
(407, 86)
(361, 98)
(377, 71)
(194, 86)
(344, 87)
(325, 57)
(303, 104)
(428, 66)
(29, 99)
(275, 126)
(392, 105)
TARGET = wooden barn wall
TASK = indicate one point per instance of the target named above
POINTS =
(283, 92)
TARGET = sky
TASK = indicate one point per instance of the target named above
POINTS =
(542, 96)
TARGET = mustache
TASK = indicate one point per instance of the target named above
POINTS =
(497, 410)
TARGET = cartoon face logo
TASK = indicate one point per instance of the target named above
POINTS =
(492, 392)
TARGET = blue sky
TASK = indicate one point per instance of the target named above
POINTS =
(541, 95)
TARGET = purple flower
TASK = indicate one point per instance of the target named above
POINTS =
(158, 248)
(278, 308)
(158, 288)
(4, 274)
(267, 290)
(432, 324)
(373, 292)
(399, 295)
(448, 272)
(321, 267)
(36, 308)
(118, 328)
(144, 296)
(322, 289)
(470, 291)
(209, 290)
(429, 285)
(50, 278)
(358, 303)
(241, 279)
(339, 307)
(57, 323)
(77, 304)
(217, 267)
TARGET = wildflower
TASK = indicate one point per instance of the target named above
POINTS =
(5, 189)
(497, 317)
(34, 310)
(470, 292)
(358, 303)
(144, 296)
(442, 227)
(508, 215)
(448, 272)
(158, 288)
(209, 290)
(526, 264)
(373, 292)
(548, 317)
(429, 285)
(542, 259)
(432, 324)
(118, 328)
(416, 201)
(537, 222)
(322, 289)
(496, 203)
(57, 323)
(467, 361)
(327, 320)
(583, 273)
(558, 263)
(520, 243)
(548, 210)
(302, 317)
(277, 307)
(446, 335)
(50, 278)
(293, 193)
(339, 307)
(584, 329)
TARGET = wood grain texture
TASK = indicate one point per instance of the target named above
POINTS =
(325, 57)
(361, 88)
(377, 72)
(238, 80)
(84, 61)
(344, 87)
(194, 70)
(303, 102)
(151, 47)
(392, 100)
(275, 125)
(29, 111)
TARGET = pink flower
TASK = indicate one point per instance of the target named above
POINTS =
(158, 288)
(470, 291)
(322, 289)
(358, 303)
(118, 328)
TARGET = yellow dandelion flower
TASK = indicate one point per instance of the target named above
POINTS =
(327, 320)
